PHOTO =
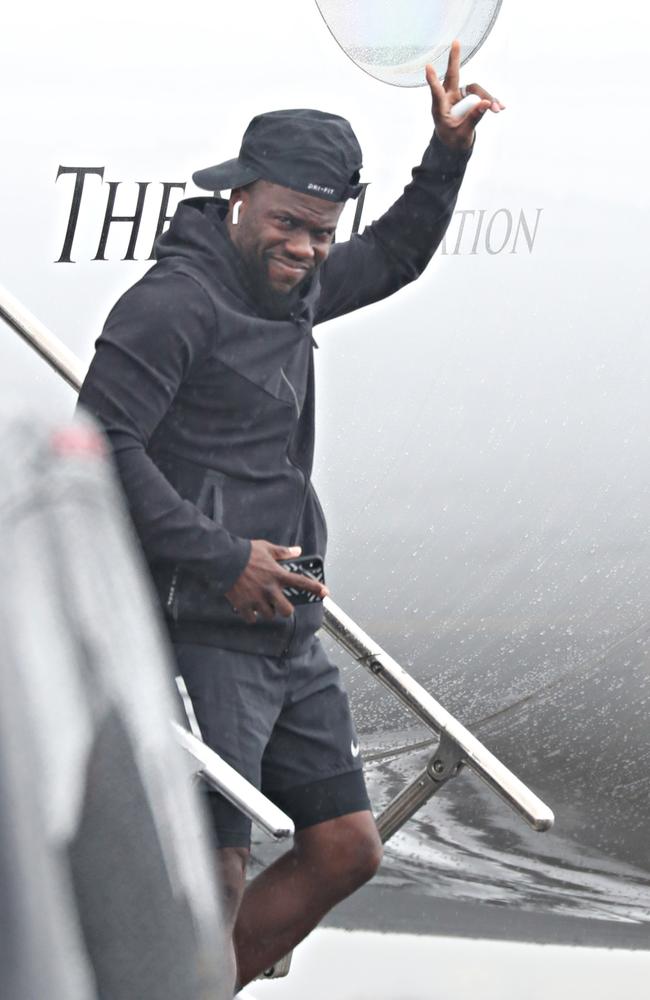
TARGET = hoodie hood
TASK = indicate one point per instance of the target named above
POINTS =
(198, 233)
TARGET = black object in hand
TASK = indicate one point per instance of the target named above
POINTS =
(308, 566)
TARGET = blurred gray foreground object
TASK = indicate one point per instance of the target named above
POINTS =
(105, 877)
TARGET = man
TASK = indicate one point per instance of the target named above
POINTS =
(203, 380)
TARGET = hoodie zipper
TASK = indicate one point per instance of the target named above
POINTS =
(171, 596)
(294, 623)
(292, 634)
(304, 477)
(293, 391)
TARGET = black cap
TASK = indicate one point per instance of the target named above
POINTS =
(308, 151)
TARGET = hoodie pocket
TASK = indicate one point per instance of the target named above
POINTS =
(195, 597)
(210, 498)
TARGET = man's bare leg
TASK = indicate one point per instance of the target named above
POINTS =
(232, 863)
(288, 899)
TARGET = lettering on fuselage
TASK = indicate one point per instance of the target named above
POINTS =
(479, 231)
(81, 175)
(471, 231)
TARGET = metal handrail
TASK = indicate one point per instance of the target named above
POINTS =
(225, 779)
(46, 344)
(471, 751)
(368, 653)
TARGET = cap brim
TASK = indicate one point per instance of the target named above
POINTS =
(228, 175)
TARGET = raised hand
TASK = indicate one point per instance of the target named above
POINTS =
(458, 133)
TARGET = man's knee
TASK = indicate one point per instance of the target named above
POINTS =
(363, 856)
(347, 851)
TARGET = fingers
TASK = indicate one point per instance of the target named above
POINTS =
(474, 116)
(471, 115)
(439, 99)
(249, 615)
(275, 602)
(493, 103)
(259, 590)
(280, 552)
(269, 602)
(298, 580)
(444, 95)
(301, 582)
(452, 76)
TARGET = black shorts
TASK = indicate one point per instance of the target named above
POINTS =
(283, 723)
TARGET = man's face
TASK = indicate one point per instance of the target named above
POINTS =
(283, 236)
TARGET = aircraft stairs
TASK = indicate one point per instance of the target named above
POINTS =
(456, 747)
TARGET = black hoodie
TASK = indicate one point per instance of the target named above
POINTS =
(209, 405)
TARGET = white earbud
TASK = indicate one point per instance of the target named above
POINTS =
(235, 212)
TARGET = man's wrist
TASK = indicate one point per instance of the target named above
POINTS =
(230, 566)
(455, 152)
